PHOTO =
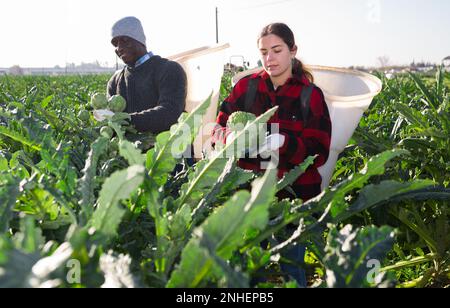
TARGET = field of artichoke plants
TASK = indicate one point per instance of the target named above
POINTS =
(86, 206)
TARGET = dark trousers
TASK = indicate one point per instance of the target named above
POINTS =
(296, 254)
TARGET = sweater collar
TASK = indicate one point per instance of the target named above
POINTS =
(149, 61)
(142, 60)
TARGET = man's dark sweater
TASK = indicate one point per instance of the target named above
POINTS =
(155, 93)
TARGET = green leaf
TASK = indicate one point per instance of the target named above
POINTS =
(170, 147)
(131, 153)
(440, 78)
(231, 278)
(117, 187)
(41, 274)
(86, 185)
(430, 98)
(195, 268)
(351, 254)
(180, 223)
(6, 246)
(167, 164)
(218, 160)
(9, 190)
(143, 141)
(203, 179)
(227, 183)
(415, 144)
(31, 271)
(370, 142)
(19, 138)
(375, 166)
(224, 232)
(377, 194)
(46, 101)
(117, 271)
(257, 258)
(201, 264)
(16, 271)
(415, 223)
(4, 164)
(51, 118)
(234, 178)
(253, 216)
(294, 174)
(30, 238)
(413, 116)
(432, 132)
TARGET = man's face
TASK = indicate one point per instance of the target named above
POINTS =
(128, 49)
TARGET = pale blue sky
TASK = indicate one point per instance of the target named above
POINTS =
(328, 32)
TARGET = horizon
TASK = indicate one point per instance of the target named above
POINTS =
(99, 65)
(345, 32)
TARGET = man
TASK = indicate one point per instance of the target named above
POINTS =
(153, 87)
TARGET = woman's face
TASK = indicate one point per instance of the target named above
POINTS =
(276, 56)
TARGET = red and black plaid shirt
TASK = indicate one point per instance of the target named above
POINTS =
(302, 139)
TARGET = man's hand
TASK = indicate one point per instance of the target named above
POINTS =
(103, 114)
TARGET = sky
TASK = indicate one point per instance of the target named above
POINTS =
(339, 33)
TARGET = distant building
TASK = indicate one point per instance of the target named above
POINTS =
(425, 69)
(68, 71)
(55, 71)
(15, 70)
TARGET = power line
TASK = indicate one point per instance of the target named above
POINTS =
(217, 25)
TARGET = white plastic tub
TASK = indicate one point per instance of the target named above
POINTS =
(348, 94)
(204, 70)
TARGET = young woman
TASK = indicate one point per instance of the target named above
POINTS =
(302, 116)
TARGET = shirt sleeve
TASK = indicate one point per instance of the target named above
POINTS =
(314, 139)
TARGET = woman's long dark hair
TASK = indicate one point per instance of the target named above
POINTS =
(285, 33)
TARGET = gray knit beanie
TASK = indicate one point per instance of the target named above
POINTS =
(131, 27)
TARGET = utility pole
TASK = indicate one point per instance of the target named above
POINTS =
(217, 25)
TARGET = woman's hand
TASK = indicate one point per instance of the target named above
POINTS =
(271, 144)
(230, 137)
